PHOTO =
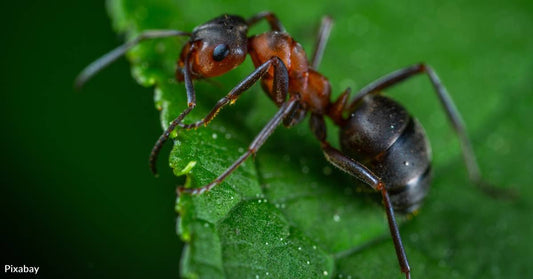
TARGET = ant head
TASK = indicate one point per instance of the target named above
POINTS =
(215, 48)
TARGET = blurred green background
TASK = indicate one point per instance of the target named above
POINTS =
(78, 198)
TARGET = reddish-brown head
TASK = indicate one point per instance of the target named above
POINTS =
(215, 48)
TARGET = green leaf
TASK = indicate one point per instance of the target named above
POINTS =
(289, 214)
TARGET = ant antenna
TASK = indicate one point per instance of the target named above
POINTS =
(322, 39)
(113, 55)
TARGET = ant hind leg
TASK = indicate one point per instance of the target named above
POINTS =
(451, 111)
(359, 171)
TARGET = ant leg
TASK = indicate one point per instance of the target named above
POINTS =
(285, 109)
(280, 86)
(451, 112)
(358, 170)
(191, 103)
(271, 18)
(321, 41)
(338, 107)
(113, 55)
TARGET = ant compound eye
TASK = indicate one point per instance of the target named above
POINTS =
(220, 52)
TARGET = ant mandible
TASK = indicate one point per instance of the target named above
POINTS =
(382, 145)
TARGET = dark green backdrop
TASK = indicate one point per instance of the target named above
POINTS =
(77, 196)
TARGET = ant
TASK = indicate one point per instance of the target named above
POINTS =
(382, 145)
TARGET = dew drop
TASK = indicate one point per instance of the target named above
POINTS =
(300, 248)
(308, 262)
(314, 247)
(336, 218)
(325, 273)
(406, 163)
(305, 169)
(228, 136)
(214, 136)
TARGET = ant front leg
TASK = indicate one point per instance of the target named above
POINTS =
(280, 88)
(358, 170)
(191, 103)
(451, 112)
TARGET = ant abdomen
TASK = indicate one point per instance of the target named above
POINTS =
(382, 135)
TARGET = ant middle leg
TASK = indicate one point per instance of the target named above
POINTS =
(285, 110)
(361, 172)
(450, 109)
(280, 88)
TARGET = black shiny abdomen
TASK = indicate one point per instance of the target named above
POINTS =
(382, 135)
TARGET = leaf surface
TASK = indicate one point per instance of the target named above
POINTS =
(288, 213)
